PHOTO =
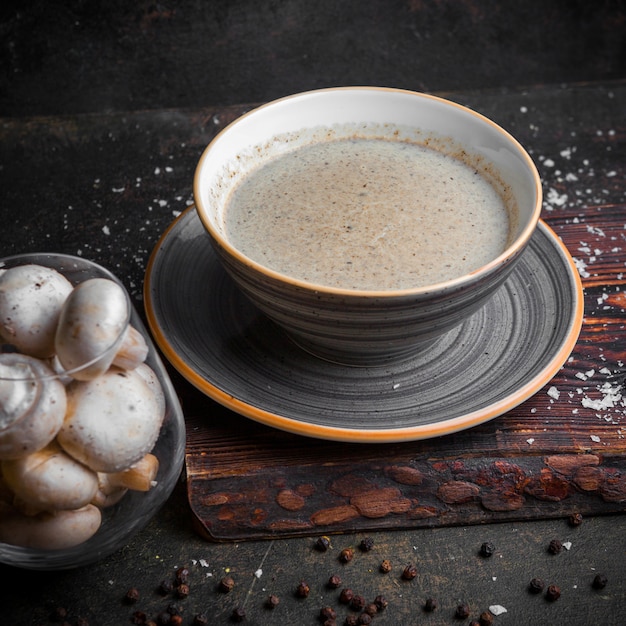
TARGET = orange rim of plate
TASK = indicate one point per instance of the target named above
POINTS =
(413, 433)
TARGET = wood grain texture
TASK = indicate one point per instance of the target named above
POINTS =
(562, 451)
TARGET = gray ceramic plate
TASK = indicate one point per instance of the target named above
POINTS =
(497, 359)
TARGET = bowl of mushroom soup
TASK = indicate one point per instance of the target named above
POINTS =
(91, 432)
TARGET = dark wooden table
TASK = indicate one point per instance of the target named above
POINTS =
(106, 185)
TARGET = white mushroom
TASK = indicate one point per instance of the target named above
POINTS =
(139, 477)
(31, 297)
(32, 405)
(93, 326)
(111, 421)
(149, 375)
(49, 531)
(50, 480)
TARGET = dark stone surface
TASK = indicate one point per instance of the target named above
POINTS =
(74, 56)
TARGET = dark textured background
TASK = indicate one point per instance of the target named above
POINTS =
(75, 56)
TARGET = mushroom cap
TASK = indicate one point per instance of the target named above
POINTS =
(111, 422)
(91, 327)
(32, 405)
(50, 531)
(31, 298)
(50, 480)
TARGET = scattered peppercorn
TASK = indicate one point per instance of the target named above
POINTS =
(430, 605)
(370, 609)
(272, 601)
(351, 620)
(334, 582)
(59, 614)
(474, 622)
(346, 555)
(357, 603)
(536, 585)
(176, 620)
(329, 622)
(366, 544)
(302, 590)
(575, 519)
(322, 544)
(132, 595)
(485, 619)
(555, 546)
(487, 549)
(346, 595)
(81, 621)
(200, 619)
(163, 618)
(226, 584)
(553, 593)
(182, 575)
(238, 614)
(409, 572)
(599, 581)
(165, 587)
(139, 618)
(364, 619)
(385, 566)
(381, 602)
(328, 612)
(182, 591)
(462, 611)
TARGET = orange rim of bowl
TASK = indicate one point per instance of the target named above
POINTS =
(391, 435)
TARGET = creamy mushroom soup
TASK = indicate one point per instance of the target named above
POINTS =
(370, 214)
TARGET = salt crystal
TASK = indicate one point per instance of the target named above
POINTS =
(106, 230)
(258, 573)
(567, 545)
(549, 163)
(595, 438)
(497, 609)
(530, 441)
(553, 392)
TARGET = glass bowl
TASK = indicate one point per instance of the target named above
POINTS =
(125, 511)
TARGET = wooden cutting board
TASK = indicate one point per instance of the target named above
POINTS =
(562, 451)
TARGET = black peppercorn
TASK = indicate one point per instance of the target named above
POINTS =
(163, 618)
(381, 602)
(327, 613)
(536, 585)
(485, 619)
(226, 584)
(366, 544)
(487, 549)
(409, 572)
(474, 622)
(345, 596)
(553, 593)
(364, 619)
(238, 614)
(430, 605)
(351, 620)
(182, 591)
(575, 519)
(370, 609)
(139, 618)
(346, 555)
(182, 575)
(322, 544)
(555, 546)
(302, 590)
(272, 601)
(357, 603)
(81, 621)
(59, 614)
(132, 596)
(599, 581)
(200, 619)
(334, 582)
(176, 620)
(165, 587)
(385, 566)
(462, 611)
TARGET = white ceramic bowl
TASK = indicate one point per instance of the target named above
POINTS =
(121, 518)
(356, 326)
